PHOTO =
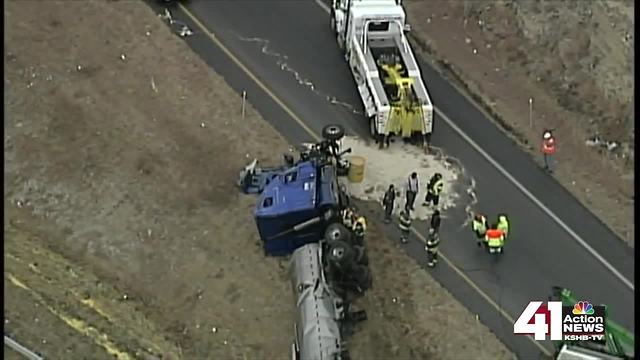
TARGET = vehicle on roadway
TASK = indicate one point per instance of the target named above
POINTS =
(372, 35)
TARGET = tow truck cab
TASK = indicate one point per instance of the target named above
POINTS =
(352, 16)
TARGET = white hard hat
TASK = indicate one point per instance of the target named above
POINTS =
(546, 135)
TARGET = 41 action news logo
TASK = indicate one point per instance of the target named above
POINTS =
(583, 321)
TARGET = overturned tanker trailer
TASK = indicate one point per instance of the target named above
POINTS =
(323, 316)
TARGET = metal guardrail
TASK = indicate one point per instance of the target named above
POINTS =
(21, 349)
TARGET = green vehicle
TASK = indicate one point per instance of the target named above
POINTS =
(619, 342)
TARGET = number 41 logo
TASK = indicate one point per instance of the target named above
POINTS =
(540, 319)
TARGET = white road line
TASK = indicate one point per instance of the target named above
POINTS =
(324, 6)
(523, 189)
(21, 349)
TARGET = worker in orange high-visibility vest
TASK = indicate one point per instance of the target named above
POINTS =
(494, 239)
(548, 149)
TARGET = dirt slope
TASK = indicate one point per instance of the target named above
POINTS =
(573, 58)
(128, 187)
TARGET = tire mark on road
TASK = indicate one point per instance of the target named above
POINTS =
(284, 66)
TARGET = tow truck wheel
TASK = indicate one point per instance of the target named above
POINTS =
(333, 22)
(373, 130)
(333, 132)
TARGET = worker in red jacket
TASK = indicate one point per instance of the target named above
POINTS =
(548, 149)
(494, 239)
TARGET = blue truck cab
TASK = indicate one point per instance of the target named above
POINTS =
(292, 209)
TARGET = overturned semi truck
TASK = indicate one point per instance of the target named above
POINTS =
(298, 214)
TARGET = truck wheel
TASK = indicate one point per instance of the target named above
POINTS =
(336, 232)
(340, 40)
(341, 254)
(333, 22)
(373, 131)
(333, 132)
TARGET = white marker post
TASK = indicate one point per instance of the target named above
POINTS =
(244, 100)
(531, 113)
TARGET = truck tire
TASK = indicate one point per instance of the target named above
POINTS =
(337, 232)
(373, 131)
(362, 258)
(341, 254)
(333, 132)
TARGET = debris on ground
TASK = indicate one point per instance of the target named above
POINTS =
(393, 165)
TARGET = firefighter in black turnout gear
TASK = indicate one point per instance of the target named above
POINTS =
(434, 189)
(435, 221)
(388, 203)
(433, 240)
(405, 226)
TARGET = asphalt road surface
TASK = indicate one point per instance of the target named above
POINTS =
(541, 252)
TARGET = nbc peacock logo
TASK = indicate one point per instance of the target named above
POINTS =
(583, 308)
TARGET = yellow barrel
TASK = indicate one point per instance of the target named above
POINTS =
(356, 170)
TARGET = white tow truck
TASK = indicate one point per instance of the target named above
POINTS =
(372, 35)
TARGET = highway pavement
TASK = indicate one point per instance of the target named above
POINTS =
(548, 224)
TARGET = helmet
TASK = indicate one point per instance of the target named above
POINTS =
(478, 217)
(438, 176)
(502, 217)
(436, 213)
(546, 135)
